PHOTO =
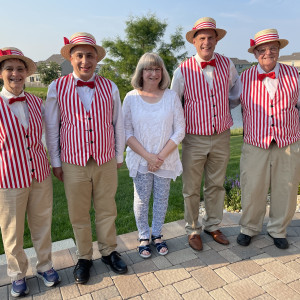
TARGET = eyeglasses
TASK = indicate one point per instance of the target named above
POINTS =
(263, 51)
(149, 70)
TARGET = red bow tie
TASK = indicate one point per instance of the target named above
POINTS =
(208, 63)
(17, 99)
(263, 76)
(90, 84)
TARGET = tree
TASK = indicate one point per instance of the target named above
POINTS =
(49, 72)
(143, 34)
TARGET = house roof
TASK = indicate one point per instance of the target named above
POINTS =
(237, 61)
(293, 56)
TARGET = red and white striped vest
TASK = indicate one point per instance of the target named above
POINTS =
(86, 134)
(206, 110)
(265, 119)
(22, 153)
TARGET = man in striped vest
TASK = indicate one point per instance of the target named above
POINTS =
(85, 139)
(270, 158)
(207, 81)
(25, 180)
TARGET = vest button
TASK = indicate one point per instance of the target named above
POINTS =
(27, 136)
(30, 159)
(28, 148)
(89, 118)
(212, 95)
(90, 130)
(32, 170)
(272, 116)
(272, 105)
(272, 125)
(215, 115)
(213, 125)
(92, 142)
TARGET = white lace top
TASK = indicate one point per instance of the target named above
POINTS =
(153, 124)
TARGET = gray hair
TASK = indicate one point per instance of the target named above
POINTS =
(150, 60)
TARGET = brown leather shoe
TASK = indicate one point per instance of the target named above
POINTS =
(195, 242)
(218, 236)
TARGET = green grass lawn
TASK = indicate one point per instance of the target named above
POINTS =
(62, 229)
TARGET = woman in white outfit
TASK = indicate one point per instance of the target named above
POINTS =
(154, 126)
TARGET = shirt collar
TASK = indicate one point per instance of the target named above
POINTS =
(5, 93)
(199, 59)
(77, 78)
(276, 70)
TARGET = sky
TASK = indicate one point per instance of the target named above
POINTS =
(38, 27)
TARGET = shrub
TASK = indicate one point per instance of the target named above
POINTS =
(233, 194)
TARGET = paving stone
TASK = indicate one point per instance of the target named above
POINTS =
(262, 259)
(64, 279)
(36, 287)
(294, 265)
(114, 275)
(69, 291)
(278, 290)
(62, 259)
(290, 231)
(263, 278)
(144, 267)
(280, 271)
(284, 256)
(136, 287)
(193, 264)
(231, 231)
(164, 293)
(121, 247)
(262, 243)
(173, 229)
(226, 274)
(85, 297)
(100, 267)
(134, 298)
(216, 246)
(130, 240)
(229, 256)
(213, 259)
(232, 241)
(4, 279)
(171, 275)
(220, 294)
(243, 289)
(197, 294)
(70, 275)
(295, 286)
(96, 253)
(181, 256)
(186, 285)
(177, 243)
(50, 294)
(4, 292)
(134, 256)
(110, 292)
(263, 297)
(208, 278)
(161, 262)
(245, 268)
(95, 283)
(246, 252)
(150, 282)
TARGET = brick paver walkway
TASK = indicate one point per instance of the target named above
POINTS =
(260, 271)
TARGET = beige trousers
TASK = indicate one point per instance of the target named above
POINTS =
(208, 154)
(100, 184)
(36, 201)
(262, 170)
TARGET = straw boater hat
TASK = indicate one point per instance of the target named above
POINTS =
(266, 36)
(11, 53)
(81, 38)
(205, 23)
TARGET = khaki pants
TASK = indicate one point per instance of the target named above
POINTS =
(82, 184)
(36, 201)
(277, 169)
(208, 154)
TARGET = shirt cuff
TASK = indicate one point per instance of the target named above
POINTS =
(56, 163)
(119, 158)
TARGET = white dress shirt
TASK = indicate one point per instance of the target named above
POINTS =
(235, 86)
(272, 84)
(19, 108)
(86, 96)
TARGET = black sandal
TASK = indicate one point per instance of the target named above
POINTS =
(159, 246)
(144, 248)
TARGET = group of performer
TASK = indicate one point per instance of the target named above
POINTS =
(87, 128)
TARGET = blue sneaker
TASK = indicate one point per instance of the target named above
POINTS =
(49, 277)
(19, 288)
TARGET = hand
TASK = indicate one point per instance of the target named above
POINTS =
(154, 167)
(119, 165)
(58, 173)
